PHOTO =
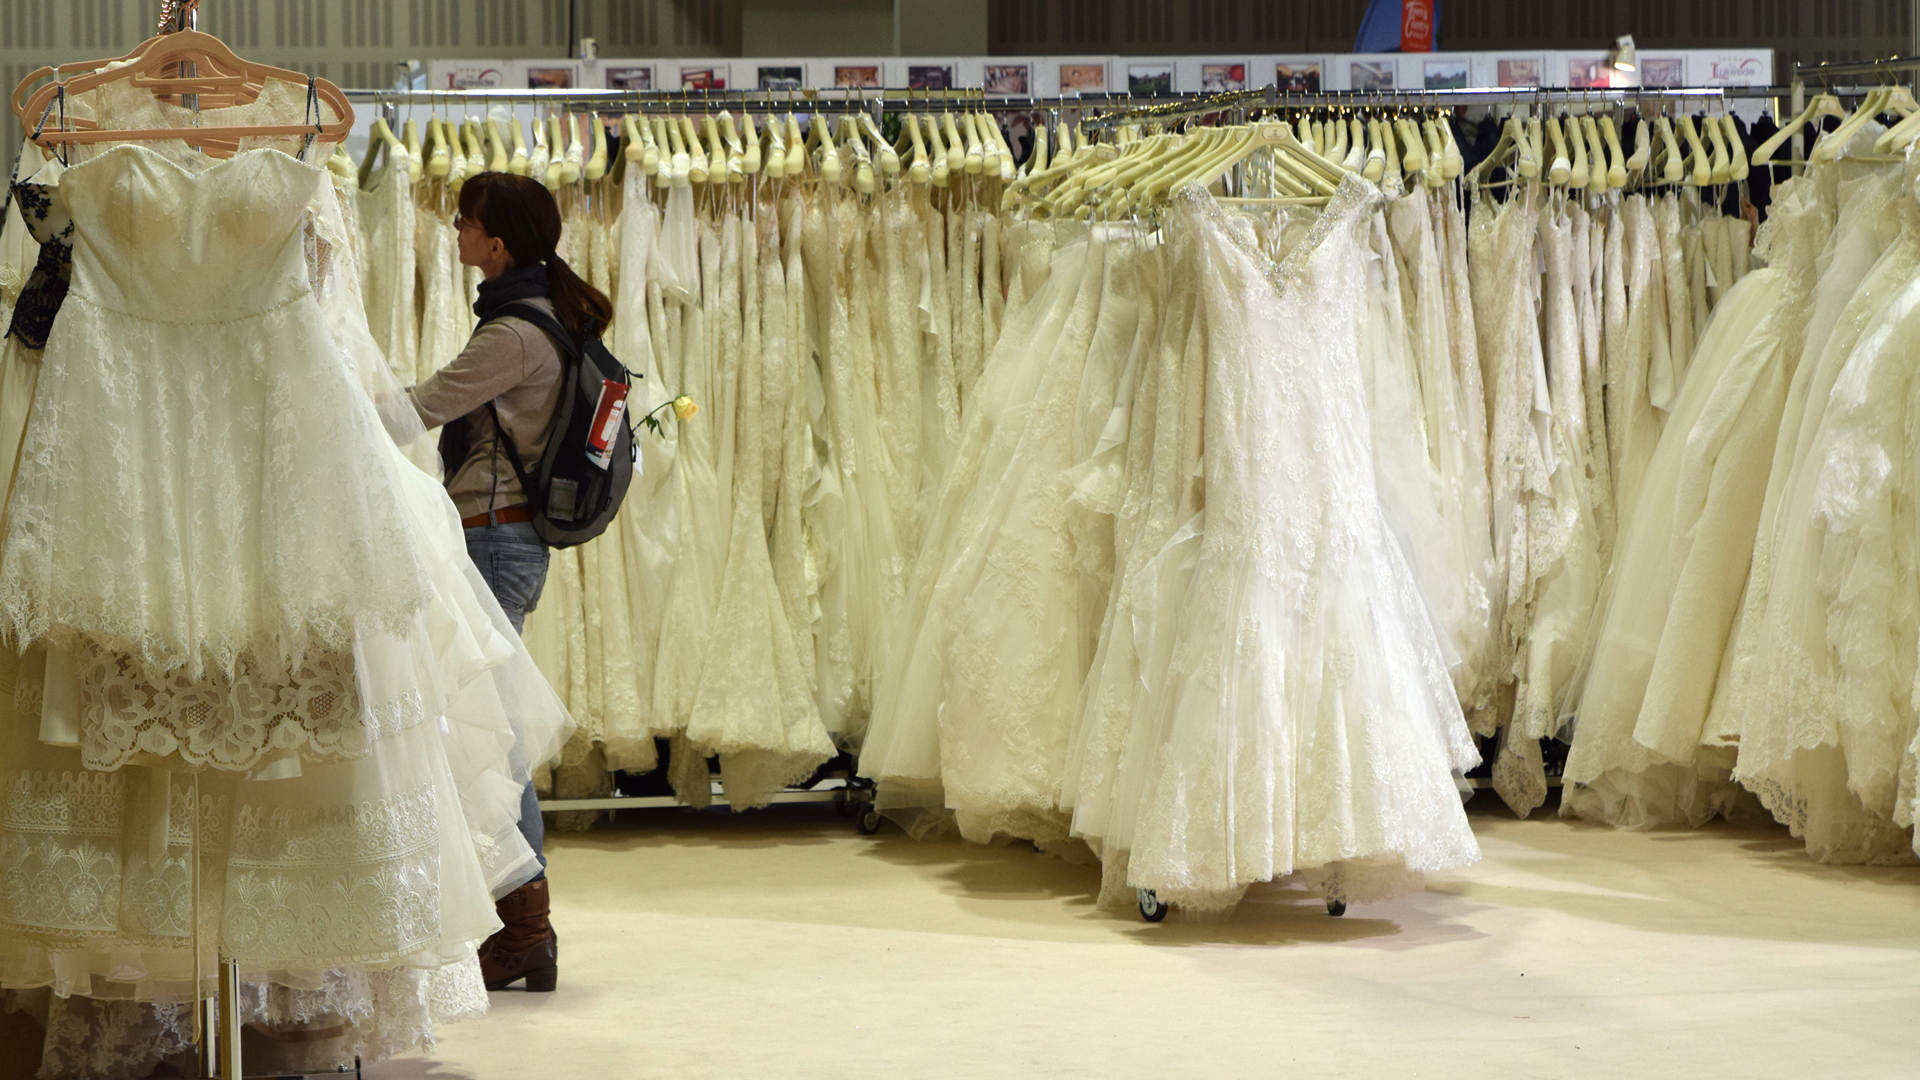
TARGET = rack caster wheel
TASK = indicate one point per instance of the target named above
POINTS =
(1336, 908)
(844, 803)
(869, 822)
(1151, 907)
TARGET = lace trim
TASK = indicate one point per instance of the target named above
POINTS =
(233, 721)
(295, 888)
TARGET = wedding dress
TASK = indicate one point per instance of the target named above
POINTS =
(389, 233)
(1826, 735)
(329, 820)
(1674, 591)
(905, 745)
(1281, 626)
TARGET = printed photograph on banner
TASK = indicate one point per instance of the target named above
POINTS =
(857, 76)
(929, 77)
(1219, 78)
(1371, 75)
(1664, 72)
(1446, 74)
(550, 78)
(1518, 72)
(1585, 72)
(783, 78)
(629, 78)
(1149, 78)
(1087, 78)
(702, 78)
(475, 77)
(1008, 79)
(1297, 78)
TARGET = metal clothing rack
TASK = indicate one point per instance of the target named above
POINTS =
(850, 793)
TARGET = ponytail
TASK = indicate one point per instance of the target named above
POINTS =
(520, 213)
(584, 310)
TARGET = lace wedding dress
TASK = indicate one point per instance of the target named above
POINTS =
(339, 835)
(1821, 699)
(1281, 627)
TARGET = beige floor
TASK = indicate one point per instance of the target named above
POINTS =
(780, 944)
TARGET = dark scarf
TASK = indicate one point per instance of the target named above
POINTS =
(519, 283)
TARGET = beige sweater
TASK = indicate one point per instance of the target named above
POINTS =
(515, 365)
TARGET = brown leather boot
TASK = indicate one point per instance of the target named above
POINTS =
(526, 947)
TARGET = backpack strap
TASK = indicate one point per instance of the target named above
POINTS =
(569, 348)
(520, 309)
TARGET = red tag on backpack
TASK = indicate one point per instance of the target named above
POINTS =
(607, 418)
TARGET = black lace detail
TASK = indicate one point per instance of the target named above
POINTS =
(46, 287)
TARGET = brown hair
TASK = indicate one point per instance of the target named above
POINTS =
(520, 213)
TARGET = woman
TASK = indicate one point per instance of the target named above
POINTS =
(508, 379)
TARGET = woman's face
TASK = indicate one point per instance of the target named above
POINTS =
(477, 249)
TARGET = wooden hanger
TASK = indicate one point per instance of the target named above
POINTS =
(234, 82)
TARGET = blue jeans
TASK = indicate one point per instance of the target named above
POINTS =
(513, 561)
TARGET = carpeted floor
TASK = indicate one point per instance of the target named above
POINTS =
(780, 944)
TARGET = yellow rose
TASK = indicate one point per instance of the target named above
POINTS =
(685, 408)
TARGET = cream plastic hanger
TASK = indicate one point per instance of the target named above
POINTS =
(1674, 169)
(1376, 161)
(956, 147)
(883, 151)
(920, 172)
(1642, 154)
(1598, 182)
(556, 152)
(976, 158)
(717, 167)
(575, 164)
(666, 164)
(1616, 155)
(776, 159)
(596, 166)
(1900, 134)
(830, 170)
(699, 169)
(1829, 148)
(753, 162)
(517, 157)
(540, 158)
(1510, 152)
(942, 161)
(1578, 178)
(1037, 157)
(1821, 105)
(1702, 169)
(340, 163)
(1413, 158)
(478, 151)
(439, 157)
(678, 166)
(722, 133)
(1391, 140)
(497, 155)
(380, 137)
(796, 148)
(855, 145)
(1738, 168)
(456, 139)
(1720, 161)
(1560, 172)
(633, 145)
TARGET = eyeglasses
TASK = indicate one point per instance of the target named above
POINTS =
(463, 222)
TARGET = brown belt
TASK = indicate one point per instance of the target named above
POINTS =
(506, 515)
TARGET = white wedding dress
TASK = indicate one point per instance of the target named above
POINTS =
(347, 770)
(1296, 714)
